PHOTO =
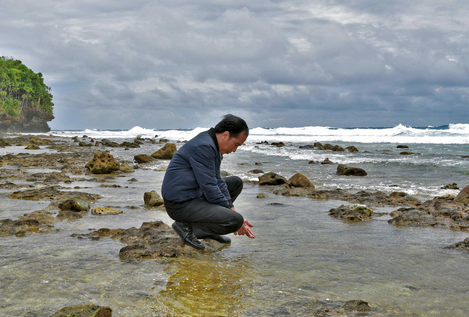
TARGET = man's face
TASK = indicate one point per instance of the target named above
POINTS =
(229, 144)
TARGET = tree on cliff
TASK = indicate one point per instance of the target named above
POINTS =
(19, 85)
(23, 96)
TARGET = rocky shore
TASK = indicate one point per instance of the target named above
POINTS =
(448, 211)
(87, 160)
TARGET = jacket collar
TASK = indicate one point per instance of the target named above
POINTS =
(211, 132)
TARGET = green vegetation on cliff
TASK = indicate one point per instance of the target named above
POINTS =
(20, 87)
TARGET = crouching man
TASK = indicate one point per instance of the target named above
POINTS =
(196, 196)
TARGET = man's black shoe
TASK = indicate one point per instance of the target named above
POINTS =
(186, 234)
(219, 238)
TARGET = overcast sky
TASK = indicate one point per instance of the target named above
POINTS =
(116, 64)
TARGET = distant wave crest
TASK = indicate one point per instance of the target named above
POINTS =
(454, 133)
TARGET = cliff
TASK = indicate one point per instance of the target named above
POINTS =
(30, 119)
(25, 100)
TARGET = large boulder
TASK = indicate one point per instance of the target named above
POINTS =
(299, 180)
(166, 152)
(152, 199)
(271, 179)
(343, 169)
(102, 163)
(463, 196)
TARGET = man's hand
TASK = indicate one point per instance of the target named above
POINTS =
(245, 230)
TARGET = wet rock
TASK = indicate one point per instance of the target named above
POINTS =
(32, 147)
(329, 308)
(326, 161)
(450, 186)
(9, 185)
(71, 215)
(356, 306)
(343, 169)
(34, 140)
(81, 143)
(460, 245)
(84, 311)
(262, 195)
(256, 171)
(353, 213)
(105, 211)
(102, 163)
(52, 194)
(143, 158)
(337, 148)
(132, 145)
(166, 152)
(109, 143)
(278, 144)
(294, 191)
(35, 222)
(311, 162)
(271, 179)
(413, 217)
(299, 180)
(394, 195)
(4, 142)
(463, 196)
(54, 177)
(126, 168)
(74, 205)
(407, 153)
(352, 149)
(152, 199)
(443, 211)
(402, 146)
(308, 146)
(151, 241)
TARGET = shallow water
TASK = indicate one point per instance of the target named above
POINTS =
(300, 254)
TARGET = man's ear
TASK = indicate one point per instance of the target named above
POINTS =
(226, 135)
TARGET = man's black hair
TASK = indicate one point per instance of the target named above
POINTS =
(233, 124)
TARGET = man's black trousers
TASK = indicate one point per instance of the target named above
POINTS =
(206, 218)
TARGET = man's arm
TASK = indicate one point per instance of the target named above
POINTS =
(203, 164)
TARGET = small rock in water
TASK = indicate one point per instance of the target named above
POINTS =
(84, 311)
(450, 186)
(152, 199)
(105, 211)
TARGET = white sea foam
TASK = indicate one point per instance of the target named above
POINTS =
(452, 134)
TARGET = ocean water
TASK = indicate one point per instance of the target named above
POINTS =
(300, 254)
(438, 157)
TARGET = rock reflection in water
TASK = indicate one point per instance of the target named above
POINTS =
(204, 287)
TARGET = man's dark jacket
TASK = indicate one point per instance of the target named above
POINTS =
(195, 171)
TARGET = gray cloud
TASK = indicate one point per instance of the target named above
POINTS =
(182, 64)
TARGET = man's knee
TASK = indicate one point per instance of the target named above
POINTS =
(238, 222)
(235, 186)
